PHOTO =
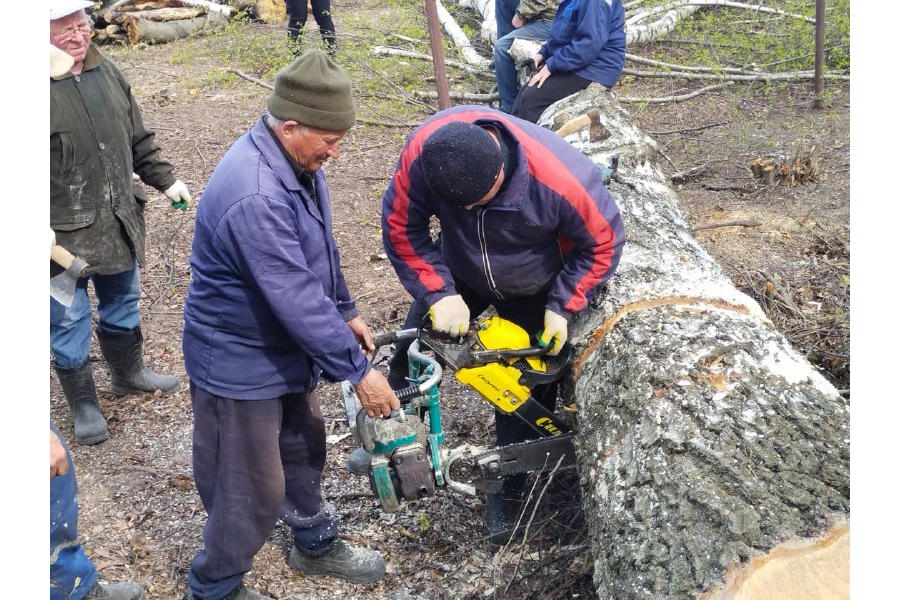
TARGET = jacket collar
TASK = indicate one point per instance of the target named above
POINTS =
(93, 59)
(512, 194)
(268, 145)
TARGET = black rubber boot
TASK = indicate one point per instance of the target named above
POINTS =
(124, 353)
(356, 565)
(81, 396)
(501, 511)
(116, 591)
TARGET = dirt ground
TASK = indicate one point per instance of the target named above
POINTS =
(141, 516)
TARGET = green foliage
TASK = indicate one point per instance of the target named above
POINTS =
(718, 36)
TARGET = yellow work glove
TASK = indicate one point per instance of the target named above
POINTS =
(450, 315)
(179, 195)
(556, 330)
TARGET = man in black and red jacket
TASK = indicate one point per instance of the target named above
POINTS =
(527, 227)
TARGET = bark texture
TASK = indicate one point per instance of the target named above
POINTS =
(705, 439)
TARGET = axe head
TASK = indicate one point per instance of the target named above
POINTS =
(62, 287)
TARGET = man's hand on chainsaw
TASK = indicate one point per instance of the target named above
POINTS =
(376, 396)
(556, 329)
(361, 331)
(450, 315)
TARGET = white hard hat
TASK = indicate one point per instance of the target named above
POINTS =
(64, 8)
(60, 62)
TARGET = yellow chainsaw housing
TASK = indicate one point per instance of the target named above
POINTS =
(499, 382)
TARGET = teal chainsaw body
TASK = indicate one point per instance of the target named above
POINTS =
(407, 458)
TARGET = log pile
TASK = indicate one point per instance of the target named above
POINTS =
(159, 21)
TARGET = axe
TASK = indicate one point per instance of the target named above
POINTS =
(62, 287)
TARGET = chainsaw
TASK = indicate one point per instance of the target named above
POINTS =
(406, 457)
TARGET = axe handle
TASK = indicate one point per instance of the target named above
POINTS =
(61, 256)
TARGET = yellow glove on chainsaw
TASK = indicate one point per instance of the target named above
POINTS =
(556, 330)
(450, 315)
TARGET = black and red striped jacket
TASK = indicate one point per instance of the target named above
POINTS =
(553, 226)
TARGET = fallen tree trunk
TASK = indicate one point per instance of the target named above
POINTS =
(714, 459)
(139, 29)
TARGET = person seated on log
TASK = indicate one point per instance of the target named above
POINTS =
(97, 141)
(586, 44)
(527, 227)
(531, 21)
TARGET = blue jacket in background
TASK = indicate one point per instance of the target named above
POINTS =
(587, 38)
(267, 306)
(552, 227)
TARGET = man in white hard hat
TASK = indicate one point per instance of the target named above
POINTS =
(72, 574)
(97, 140)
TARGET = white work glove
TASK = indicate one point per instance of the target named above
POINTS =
(52, 240)
(450, 315)
(556, 329)
(179, 195)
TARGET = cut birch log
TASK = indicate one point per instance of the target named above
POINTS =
(171, 14)
(139, 29)
(272, 12)
(714, 459)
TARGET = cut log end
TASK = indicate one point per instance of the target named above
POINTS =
(816, 568)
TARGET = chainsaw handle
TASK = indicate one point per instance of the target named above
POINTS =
(390, 337)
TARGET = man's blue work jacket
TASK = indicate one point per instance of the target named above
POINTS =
(587, 38)
(552, 227)
(267, 306)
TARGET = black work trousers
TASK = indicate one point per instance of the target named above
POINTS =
(298, 12)
(255, 461)
(532, 101)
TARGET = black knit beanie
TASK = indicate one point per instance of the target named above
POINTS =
(314, 91)
(460, 162)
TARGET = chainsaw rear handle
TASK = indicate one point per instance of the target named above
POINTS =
(420, 389)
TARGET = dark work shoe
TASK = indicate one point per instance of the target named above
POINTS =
(356, 565)
(123, 352)
(116, 591)
(500, 516)
(238, 593)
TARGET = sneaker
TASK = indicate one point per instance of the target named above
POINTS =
(116, 591)
(356, 565)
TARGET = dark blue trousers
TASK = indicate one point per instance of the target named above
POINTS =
(255, 461)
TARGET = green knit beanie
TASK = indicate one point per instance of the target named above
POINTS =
(314, 91)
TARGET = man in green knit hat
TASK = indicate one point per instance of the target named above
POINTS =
(268, 313)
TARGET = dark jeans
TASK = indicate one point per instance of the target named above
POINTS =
(504, 11)
(527, 312)
(255, 461)
(532, 101)
(298, 13)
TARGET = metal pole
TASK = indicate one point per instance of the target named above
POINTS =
(437, 54)
(820, 52)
